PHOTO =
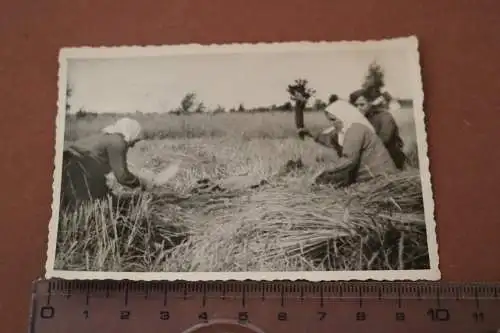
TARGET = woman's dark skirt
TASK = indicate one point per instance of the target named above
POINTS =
(82, 181)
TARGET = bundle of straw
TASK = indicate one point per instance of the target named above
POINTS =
(288, 229)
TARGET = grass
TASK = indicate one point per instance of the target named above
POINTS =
(286, 224)
(270, 125)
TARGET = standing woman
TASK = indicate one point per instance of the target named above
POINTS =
(362, 155)
(87, 161)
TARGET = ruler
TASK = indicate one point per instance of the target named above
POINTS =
(128, 307)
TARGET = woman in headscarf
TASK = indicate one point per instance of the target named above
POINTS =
(87, 161)
(362, 155)
(375, 110)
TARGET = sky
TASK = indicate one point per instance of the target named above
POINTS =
(157, 84)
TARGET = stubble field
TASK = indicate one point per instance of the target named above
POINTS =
(234, 207)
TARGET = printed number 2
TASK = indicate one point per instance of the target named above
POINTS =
(124, 315)
(282, 316)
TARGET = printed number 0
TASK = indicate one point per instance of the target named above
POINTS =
(243, 316)
(47, 312)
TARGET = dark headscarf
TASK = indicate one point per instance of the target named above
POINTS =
(355, 95)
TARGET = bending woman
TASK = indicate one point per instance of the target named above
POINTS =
(362, 155)
(87, 161)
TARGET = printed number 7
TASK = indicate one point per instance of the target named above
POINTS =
(321, 315)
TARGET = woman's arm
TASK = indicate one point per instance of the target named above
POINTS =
(325, 137)
(117, 155)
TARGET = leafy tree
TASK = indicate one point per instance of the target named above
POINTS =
(319, 104)
(300, 93)
(374, 81)
(219, 109)
(188, 102)
(69, 93)
(81, 113)
(241, 108)
(200, 108)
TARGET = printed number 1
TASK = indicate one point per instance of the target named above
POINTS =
(478, 317)
(243, 316)
(86, 314)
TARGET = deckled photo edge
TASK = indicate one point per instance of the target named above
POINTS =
(424, 161)
(128, 51)
(57, 168)
(410, 43)
(313, 276)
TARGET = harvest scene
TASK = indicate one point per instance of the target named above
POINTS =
(241, 194)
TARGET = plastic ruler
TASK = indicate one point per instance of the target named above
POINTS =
(133, 307)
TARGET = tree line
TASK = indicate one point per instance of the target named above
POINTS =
(300, 97)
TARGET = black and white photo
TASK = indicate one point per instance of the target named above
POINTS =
(296, 160)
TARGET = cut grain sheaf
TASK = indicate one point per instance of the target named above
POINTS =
(280, 226)
(274, 223)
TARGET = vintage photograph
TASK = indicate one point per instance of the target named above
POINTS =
(296, 160)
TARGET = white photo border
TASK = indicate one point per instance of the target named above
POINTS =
(409, 43)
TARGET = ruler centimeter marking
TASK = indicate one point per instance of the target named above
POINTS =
(273, 306)
(358, 291)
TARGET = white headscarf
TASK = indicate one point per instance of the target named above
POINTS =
(129, 128)
(349, 115)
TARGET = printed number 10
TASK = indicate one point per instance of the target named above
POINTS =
(438, 314)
